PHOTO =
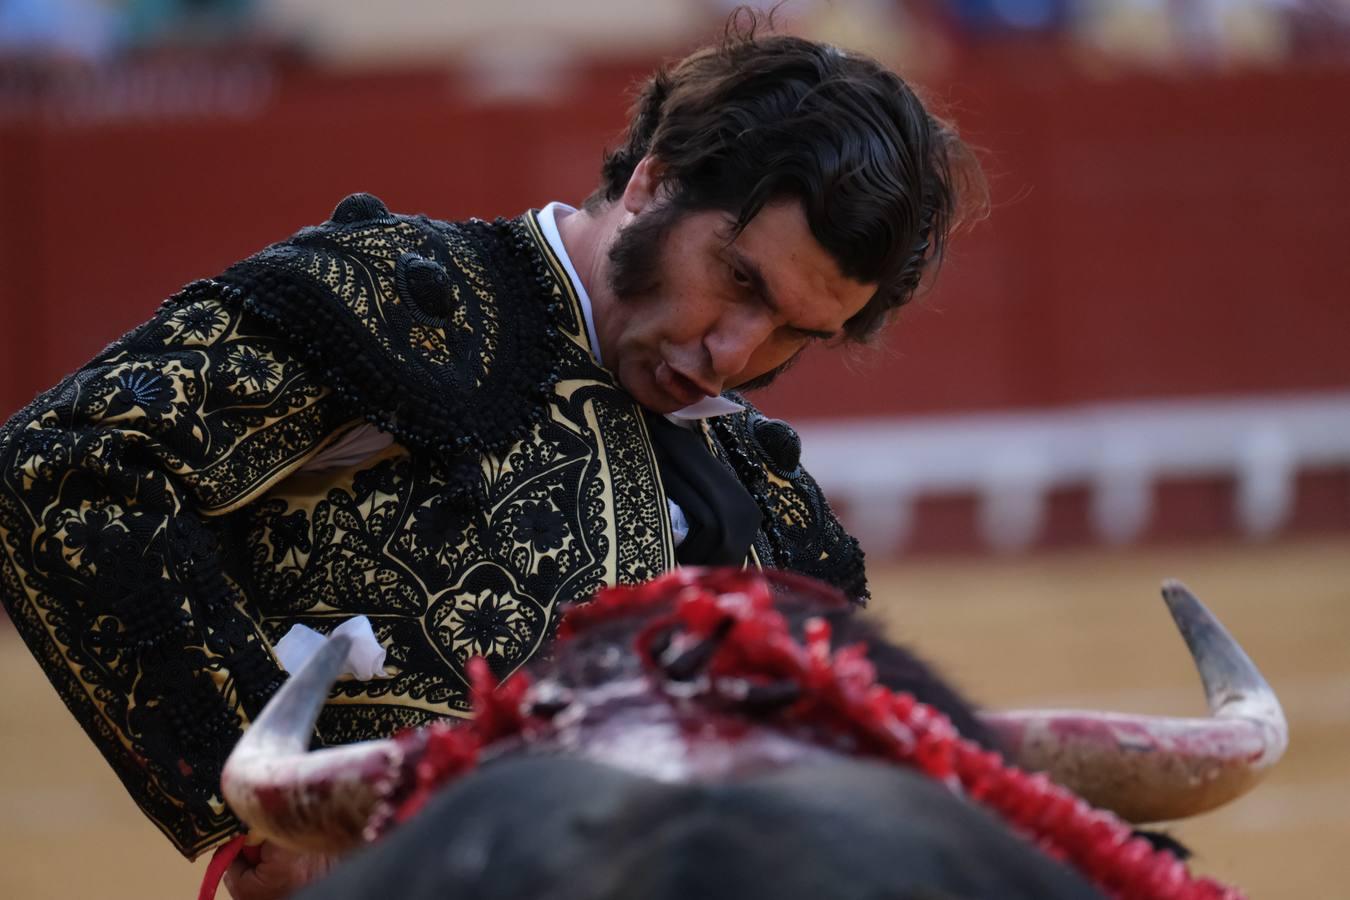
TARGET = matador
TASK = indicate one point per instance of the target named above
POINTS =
(453, 429)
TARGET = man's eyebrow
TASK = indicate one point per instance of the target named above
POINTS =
(760, 286)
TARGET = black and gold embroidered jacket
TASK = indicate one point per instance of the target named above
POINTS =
(159, 531)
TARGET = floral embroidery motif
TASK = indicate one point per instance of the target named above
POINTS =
(200, 323)
(483, 624)
(541, 525)
(251, 369)
(142, 388)
(439, 525)
(290, 537)
(91, 535)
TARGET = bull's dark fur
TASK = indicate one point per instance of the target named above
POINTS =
(900, 670)
(566, 829)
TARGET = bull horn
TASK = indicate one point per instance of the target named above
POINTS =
(1156, 768)
(315, 801)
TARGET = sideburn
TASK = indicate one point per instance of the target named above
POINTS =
(635, 253)
(635, 269)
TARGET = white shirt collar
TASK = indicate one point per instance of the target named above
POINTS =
(548, 224)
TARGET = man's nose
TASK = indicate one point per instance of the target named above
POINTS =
(733, 341)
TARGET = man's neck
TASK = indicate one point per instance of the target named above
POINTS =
(585, 234)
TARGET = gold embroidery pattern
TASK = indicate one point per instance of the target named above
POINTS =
(559, 514)
(800, 532)
(152, 546)
(110, 571)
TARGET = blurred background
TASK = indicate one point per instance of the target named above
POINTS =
(1137, 366)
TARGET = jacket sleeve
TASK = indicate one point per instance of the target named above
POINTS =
(115, 560)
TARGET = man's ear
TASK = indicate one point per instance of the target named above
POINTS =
(643, 185)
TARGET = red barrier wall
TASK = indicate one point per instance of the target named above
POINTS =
(1150, 236)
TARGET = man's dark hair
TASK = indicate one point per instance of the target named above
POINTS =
(759, 119)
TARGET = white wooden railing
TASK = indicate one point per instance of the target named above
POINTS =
(877, 468)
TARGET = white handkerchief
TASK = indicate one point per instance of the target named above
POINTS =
(365, 659)
(679, 525)
(707, 408)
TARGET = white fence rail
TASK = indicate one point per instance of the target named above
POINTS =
(1010, 461)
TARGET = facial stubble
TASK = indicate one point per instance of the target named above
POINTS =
(636, 267)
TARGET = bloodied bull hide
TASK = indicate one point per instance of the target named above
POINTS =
(730, 733)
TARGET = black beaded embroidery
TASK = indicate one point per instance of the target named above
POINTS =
(459, 378)
(152, 552)
(112, 573)
(800, 531)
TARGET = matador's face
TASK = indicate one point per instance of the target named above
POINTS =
(711, 313)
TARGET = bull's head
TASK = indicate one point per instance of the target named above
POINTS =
(697, 676)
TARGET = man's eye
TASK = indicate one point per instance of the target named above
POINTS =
(740, 276)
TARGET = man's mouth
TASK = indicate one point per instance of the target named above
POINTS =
(681, 386)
